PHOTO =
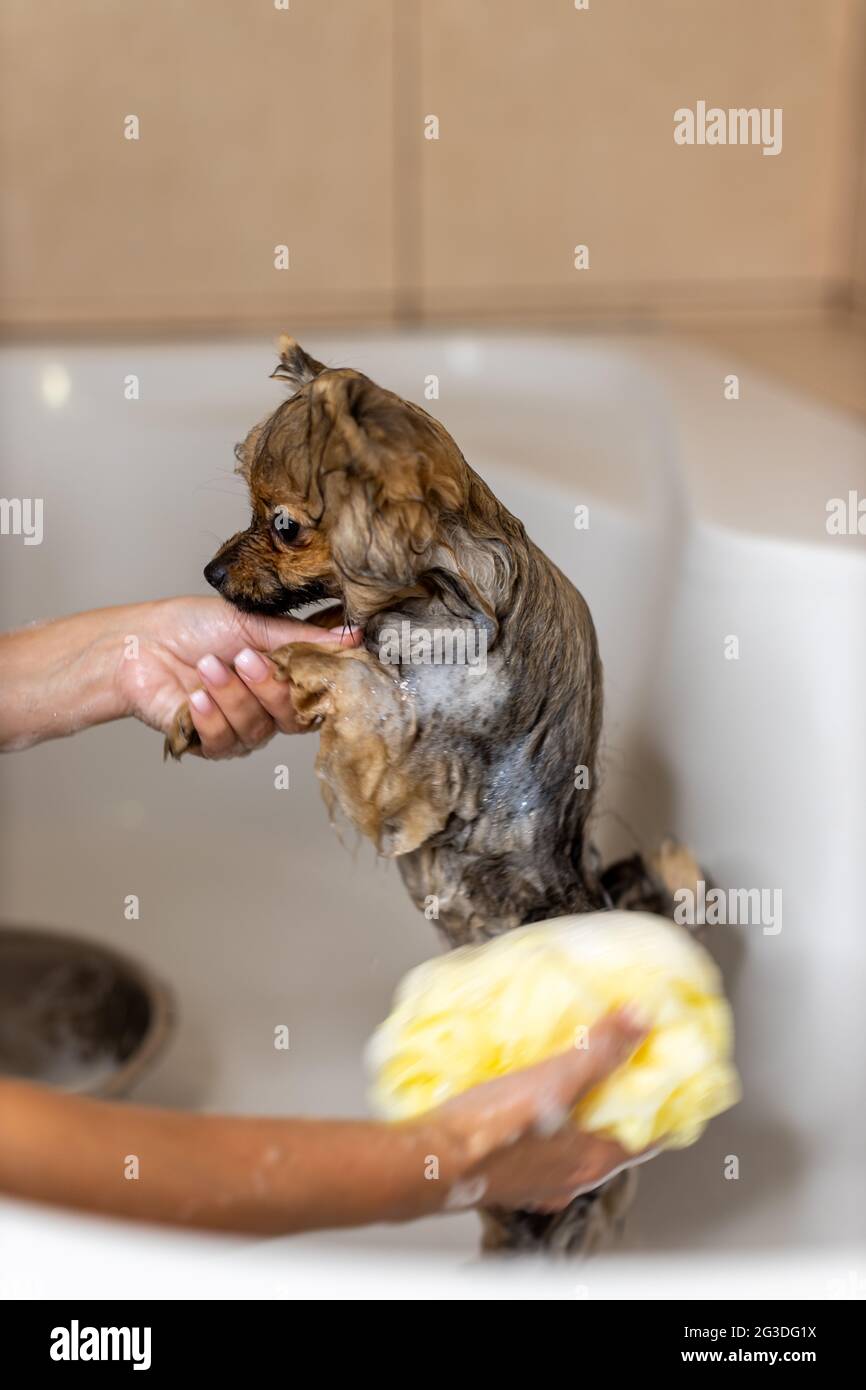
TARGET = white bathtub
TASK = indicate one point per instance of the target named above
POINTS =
(707, 520)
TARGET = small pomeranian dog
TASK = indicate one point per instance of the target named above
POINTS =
(449, 738)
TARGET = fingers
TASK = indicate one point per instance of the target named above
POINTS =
(241, 704)
(238, 710)
(227, 716)
(543, 1095)
(328, 626)
(598, 1161)
(610, 1042)
(547, 1163)
(259, 675)
(191, 627)
(546, 1174)
(216, 735)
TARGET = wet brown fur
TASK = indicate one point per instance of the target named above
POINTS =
(465, 777)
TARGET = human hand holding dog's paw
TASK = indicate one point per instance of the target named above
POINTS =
(202, 675)
(238, 707)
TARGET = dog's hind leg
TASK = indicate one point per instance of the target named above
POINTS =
(654, 883)
(593, 1220)
(587, 1225)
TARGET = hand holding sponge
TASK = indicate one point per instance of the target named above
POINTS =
(483, 1011)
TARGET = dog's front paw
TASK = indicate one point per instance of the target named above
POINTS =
(182, 736)
(282, 658)
(311, 674)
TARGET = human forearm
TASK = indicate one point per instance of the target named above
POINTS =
(268, 1176)
(59, 677)
(276, 1176)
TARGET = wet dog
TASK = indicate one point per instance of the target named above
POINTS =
(462, 770)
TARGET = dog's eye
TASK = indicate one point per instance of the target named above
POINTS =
(285, 527)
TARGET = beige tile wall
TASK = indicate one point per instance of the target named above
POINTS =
(306, 127)
(859, 252)
(259, 127)
(859, 287)
(857, 68)
(557, 129)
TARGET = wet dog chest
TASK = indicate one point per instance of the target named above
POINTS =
(446, 669)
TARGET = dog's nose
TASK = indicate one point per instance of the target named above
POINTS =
(216, 573)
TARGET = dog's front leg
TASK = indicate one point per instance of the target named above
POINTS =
(369, 761)
(182, 736)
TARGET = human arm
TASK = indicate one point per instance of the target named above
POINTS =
(145, 660)
(492, 1146)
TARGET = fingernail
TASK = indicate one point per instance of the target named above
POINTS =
(200, 700)
(634, 1018)
(252, 664)
(212, 670)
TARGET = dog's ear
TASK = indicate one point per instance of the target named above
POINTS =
(296, 367)
(386, 475)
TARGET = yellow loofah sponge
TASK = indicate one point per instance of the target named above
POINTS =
(482, 1011)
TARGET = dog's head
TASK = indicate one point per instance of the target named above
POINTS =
(352, 489)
